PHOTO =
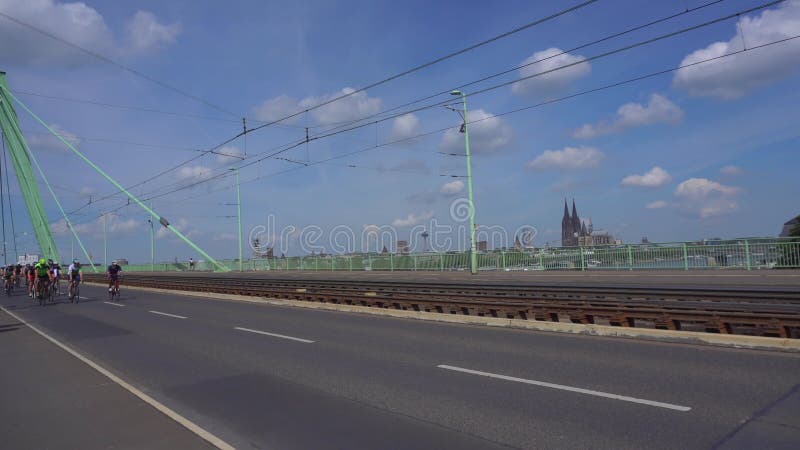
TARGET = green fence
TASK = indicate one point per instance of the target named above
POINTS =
(744, 254)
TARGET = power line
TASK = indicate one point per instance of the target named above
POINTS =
(117, 64)
(385, 80)
(555, 69)
(432, 62)
(537, 105)
(126, 107)
(549, 101)
(513, 69)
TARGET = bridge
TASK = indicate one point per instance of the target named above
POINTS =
(653, 345)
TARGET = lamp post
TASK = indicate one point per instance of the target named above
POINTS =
(473, 256)
(105, 241)
(152, 245)
(239, 215)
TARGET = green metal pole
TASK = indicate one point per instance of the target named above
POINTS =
(239, 214)
(105, 242)
(473, 259)
(161, 219)
(152, 247)
(747, 253)
(630, 258)
(685, 257)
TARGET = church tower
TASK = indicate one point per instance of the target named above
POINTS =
(566, 227)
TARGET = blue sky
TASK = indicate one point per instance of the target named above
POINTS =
(710, 151)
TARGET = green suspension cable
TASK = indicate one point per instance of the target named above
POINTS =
(161, 219)
(63, 213)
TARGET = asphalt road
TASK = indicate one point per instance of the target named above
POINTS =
(722, 279)
(263, 376)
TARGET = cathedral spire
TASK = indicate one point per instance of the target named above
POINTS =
(566, 210)
(574, 210)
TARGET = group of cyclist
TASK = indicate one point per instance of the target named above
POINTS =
(46, 273)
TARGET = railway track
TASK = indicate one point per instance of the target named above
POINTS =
(740, 311)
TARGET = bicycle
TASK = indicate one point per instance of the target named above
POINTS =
(114, 291)
(55, 287)
(75, 291)
(44, 292)
(8, 287)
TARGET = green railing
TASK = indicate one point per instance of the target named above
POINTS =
(744, 254)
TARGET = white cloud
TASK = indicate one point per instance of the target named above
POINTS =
(278, 108)
(731, 171)
(412, 219)
(404, 127)
(569, 158)
(486, 135)
(228, 154)
(630, 115)
(452, 188)
(145, 32)
(656, 177)
(734, 76)
(705, 198)
(658, 204)
(115, 225)
(78, 23)
(47, 142)
(552, 82)
(353, 107)
(225, 237)
(193, 173)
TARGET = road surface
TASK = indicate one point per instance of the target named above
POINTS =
(264, 376)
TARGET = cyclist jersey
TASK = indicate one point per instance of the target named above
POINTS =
(74, 271)
(41, 269)
(8, 274)
(114, 270)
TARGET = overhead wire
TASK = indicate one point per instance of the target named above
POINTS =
(536, 105)
(638, 44)
(117, 64)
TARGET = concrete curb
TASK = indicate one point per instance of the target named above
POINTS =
(685, 337)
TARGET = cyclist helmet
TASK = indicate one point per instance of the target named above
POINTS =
(114, 262)
(42, 261)
(75, 261)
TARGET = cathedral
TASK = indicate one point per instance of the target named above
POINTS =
(578, 232)
(571, 227)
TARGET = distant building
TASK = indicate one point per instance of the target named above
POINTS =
(645, 240)
(482, 246)
(578, 232)
(787, 227)
(402, 247)
(122, 262)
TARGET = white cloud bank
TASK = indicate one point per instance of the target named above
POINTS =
(412, 219)
(734, 76)
(569, 158)
(78, 23)
(659, 109)
(552, 82)
(656, 177)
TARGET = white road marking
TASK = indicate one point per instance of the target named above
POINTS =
(188, 424)
(113, 304)
(168, 314)
(305, 341)
(569, 388)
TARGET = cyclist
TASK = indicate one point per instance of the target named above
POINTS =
(113, 275)
(30, 277)
(17, 275)
(73, 274)
(8, 278)
(42, 273)
(55, 268)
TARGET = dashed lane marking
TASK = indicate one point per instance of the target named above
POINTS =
(282, 336)
(569, 388)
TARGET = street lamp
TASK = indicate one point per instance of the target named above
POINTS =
(152, 245)
(473, 256)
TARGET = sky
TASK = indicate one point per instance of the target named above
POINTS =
(710, 150)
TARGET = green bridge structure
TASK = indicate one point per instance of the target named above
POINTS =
(24, 160)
